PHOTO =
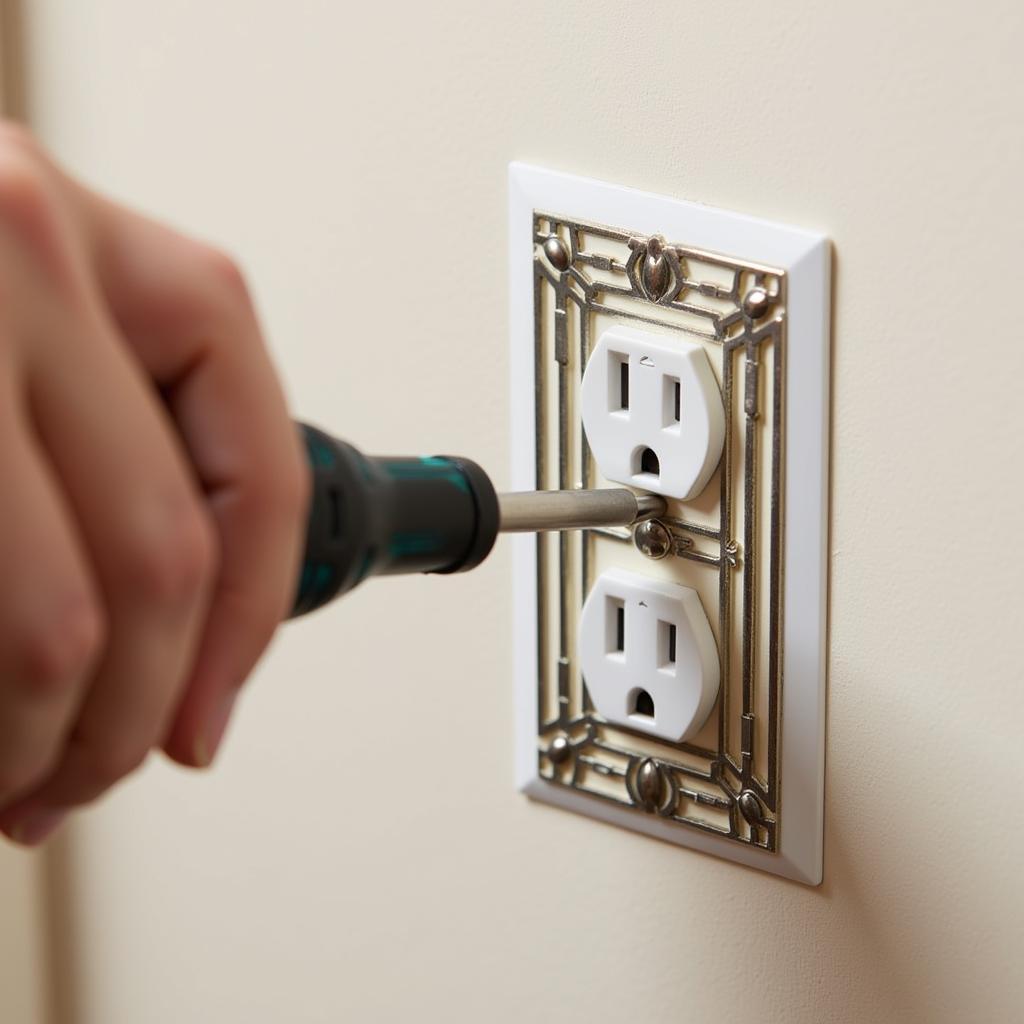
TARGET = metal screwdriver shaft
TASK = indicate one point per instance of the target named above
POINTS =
(539, 511)
(384, 516)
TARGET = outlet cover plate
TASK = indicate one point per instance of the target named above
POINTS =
(583, 256)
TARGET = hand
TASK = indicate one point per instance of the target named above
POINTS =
(152, 492)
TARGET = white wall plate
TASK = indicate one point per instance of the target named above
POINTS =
(586, 259)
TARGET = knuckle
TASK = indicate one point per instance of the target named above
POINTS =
(284, 486)
(31, 214)
(19, 775)
(25, 199)
(177, 564)
(23, 187)
(262, 619)
(15, 137)
(105, 763)
(60, 648)
(277, 493)
(227, 277)
(294, 486)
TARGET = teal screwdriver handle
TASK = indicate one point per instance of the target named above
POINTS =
(384, 516)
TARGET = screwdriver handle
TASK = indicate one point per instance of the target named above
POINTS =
(381, 516)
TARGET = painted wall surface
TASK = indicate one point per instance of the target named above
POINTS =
(23, 954)
(359, 852)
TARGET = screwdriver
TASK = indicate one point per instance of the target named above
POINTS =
(390, 515)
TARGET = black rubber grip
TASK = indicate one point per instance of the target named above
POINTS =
(385, 516)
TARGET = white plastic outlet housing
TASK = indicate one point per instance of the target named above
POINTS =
(648, 655)
(652, 412)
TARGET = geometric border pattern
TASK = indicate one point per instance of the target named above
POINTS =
(738, 309)
(803, 257)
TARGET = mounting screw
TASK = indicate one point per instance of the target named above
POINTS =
(653, 539)
(558, 750)
(750, 808)
(756, 302)
(557, 253)
(650, 785)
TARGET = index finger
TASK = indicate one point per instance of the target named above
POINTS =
(187, 315)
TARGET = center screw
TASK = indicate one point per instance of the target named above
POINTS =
(653, 539)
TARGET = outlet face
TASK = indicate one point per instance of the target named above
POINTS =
(726, 754)
(648, 655)
(652, 412)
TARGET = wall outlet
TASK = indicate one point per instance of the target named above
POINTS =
(648, 655)
(675, 348)
(652, 412)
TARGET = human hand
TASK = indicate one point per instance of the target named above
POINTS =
(153, 492)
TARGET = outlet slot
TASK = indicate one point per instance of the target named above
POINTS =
(642, 704)
(672, 402)
(667, 643)
(616, 619)
(618, 383)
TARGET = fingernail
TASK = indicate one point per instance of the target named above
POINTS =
(36, 826)
(209, 742)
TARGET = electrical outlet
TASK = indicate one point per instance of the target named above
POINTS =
(648, 655)
(652, 412)
(671, 679)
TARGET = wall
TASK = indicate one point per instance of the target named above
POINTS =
(23, 902)
(23, 954)
(359, 853)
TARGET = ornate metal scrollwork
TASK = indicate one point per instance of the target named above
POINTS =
(656, 269)
(737, 309)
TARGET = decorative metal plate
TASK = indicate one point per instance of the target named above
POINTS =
(585, 256)
(730, 786)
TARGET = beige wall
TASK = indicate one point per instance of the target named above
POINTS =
(359, 854)
(23, 904)
(23, 960)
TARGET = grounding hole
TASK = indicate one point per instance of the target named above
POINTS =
(643, 704)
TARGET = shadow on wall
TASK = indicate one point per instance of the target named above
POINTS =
(881, 985)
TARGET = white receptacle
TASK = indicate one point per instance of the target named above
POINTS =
(652, 412)
(648, 655)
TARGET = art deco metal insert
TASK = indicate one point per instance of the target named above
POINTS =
(727, 543)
